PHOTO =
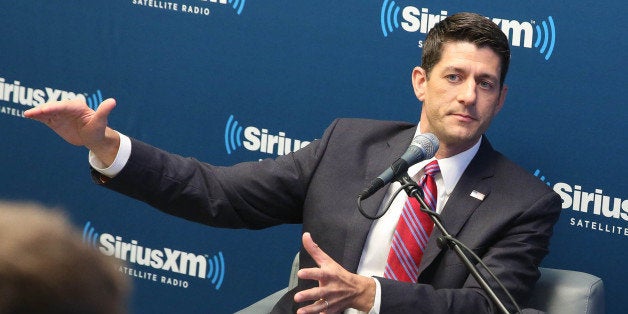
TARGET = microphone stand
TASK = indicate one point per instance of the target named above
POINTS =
(413, 190)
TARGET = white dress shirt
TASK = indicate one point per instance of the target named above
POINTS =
(379, 239)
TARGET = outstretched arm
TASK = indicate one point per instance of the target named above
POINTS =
(79, 125)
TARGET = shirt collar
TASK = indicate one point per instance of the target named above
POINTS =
(451, 168)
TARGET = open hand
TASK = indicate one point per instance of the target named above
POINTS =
(79, 125)
(337, 290)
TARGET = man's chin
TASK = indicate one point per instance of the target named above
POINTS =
(457, 140)
(457, 135)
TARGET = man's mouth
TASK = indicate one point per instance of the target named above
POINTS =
(464, 117)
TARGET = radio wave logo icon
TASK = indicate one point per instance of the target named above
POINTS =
(546, 34)
(94, 100)
(216, 269)
(90, 236)
(389, 17)
(537, 173)
(233, 135)
(238, 5)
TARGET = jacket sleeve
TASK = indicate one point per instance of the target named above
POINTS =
(251, 195)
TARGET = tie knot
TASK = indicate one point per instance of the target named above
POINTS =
(432, 168)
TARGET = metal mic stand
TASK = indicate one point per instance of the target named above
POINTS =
(413, 190)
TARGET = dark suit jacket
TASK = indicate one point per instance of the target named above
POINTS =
(317, 186)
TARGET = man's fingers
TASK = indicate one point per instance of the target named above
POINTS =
(38, 112)
(310, 274)
(105, 107)
(44, 112)
(102, 112)
(320, 306)
(312, 294)
(314, 250)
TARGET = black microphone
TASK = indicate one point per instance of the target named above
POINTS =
(423, 146)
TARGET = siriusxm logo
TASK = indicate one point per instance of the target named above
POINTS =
(595, 203)
(256, 139)
(526, 34)
(94, 100)
(165, 259)
(537, 173)
(24, 96)
(237, 5)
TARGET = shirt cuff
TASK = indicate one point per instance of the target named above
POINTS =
(122, 157)
(377, 303)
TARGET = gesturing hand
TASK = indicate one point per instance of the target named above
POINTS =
(76, 123)
(337, 288)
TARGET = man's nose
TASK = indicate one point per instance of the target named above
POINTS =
(468, 93)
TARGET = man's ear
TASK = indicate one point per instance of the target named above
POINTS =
(419, 79)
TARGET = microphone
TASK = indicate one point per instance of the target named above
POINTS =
(423, 146)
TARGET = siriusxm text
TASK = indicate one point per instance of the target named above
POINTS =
(28, 96)
(262, 141)
(421, 20)
(595, 203)
(164, 259)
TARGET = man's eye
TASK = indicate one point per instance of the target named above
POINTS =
(452, 77)
(486, 84)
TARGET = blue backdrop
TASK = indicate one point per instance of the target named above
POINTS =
(216, 79)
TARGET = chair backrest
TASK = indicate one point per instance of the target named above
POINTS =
(561, 291)
(293, 273)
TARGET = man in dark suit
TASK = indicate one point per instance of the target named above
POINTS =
(500, 211)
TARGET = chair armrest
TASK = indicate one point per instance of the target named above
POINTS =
(264, 305)
(567, 291)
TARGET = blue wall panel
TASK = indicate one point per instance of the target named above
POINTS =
(291, 67)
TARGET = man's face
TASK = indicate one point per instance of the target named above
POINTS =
(461, 96)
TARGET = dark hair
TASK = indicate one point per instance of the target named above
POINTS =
(465, 27)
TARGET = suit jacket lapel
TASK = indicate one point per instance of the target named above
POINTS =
(464, 199)
(387, 152)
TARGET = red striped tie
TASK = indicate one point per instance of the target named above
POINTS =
(413, 230)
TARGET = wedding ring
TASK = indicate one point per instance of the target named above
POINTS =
(326, 304)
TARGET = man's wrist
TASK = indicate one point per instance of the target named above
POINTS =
(107, 149)
(366, 297)
(120, 160)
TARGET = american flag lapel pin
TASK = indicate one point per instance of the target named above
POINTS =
(478, 195)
